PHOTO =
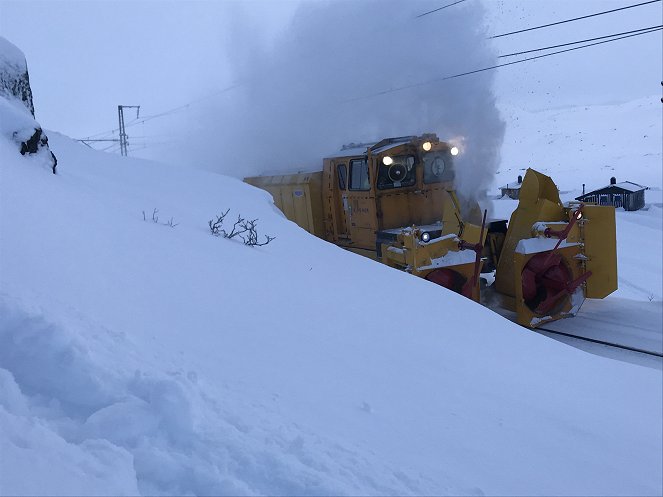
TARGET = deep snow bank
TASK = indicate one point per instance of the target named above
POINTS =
(136, 356)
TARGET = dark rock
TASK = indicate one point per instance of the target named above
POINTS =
(15, 85)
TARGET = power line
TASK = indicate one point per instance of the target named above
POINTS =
(652, 28)
(184, 106)
(114, 145)
(166, 112)
(110, 131)
(574, 19)
(443, 7)
(392, 90)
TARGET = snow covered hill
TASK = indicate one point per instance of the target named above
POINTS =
(586, 144)
(136, 357)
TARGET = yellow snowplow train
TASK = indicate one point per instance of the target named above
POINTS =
(395, 201)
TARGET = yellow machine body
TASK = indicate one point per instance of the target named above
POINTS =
(299, 196)
(587, 252)
(395, 201)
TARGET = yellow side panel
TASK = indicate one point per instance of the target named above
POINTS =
(315, 200)
(299, 196)
(472, 232)
(287, 204)
(301, 207)
(601, 250)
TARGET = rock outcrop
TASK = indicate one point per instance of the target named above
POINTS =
(17, 110)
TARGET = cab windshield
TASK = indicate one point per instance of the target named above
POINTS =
(437, 167)
(400, 172)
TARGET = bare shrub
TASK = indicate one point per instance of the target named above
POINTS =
(245, 229)
(251, 238)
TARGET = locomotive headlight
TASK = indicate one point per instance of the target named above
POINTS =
(425, 237)
(427, 146)
(454, 150)
(387, 161)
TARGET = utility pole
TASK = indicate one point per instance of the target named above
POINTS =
(123, 133)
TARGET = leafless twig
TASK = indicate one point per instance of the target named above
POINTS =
(215, 226)
(155, 219)
(251, 238)
(238, 228)
(246, 230)
(170, 223)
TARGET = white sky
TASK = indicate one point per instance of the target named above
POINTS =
(86, 57)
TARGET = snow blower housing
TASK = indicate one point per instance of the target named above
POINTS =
(395, 201)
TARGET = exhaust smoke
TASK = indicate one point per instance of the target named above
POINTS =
(357, 72)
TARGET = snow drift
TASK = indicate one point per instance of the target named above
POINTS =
(137, 357)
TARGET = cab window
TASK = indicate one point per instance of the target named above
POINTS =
(437, 167)
(400, 172)
(359, 175)
(342, 173)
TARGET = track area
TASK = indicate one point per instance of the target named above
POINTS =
(621, 329)
(601, 342)
(626, 330)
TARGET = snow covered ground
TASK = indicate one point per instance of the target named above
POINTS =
(142, 358)
(587, 144)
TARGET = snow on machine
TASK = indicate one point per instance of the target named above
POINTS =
(395, 201)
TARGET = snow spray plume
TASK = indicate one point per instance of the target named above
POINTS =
(318, 86)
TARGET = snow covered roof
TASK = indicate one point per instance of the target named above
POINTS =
(628, 185)
(389, 146)
(512, 186)
(351, 149)
(624, 185)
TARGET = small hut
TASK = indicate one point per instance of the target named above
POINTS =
(626, 194)
(512, 190)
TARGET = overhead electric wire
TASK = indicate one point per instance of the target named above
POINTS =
(574, 19)
(184, 106)
(445, 78)
(142, 120)
(110, 131)
(443, 7)
(651, 28)
(109, 147)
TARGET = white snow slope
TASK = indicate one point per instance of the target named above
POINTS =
(141, 358)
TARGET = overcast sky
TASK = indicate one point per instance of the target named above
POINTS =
(86, 57)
